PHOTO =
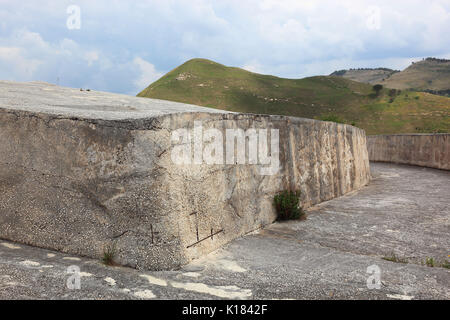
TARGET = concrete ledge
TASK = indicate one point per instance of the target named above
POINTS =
(81, 170)
(427, 150)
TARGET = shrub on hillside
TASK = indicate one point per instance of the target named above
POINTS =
(377, 88)
(392, 93)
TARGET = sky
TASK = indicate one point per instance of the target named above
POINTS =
(123, 46)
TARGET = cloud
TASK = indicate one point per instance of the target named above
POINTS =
(148, 73)
(26, 56)
(253, 67)
(123, 46)
(91, 57)
(13, 62)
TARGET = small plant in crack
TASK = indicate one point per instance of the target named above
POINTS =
(430, 262)
(394, 258)
(287, 205)
(109, 253)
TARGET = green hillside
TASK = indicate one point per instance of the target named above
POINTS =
(210, 84)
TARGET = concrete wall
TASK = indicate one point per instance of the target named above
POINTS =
(427, 150)
(78, 185)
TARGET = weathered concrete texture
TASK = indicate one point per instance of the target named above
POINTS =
(82, 170)
(404, 210)
(427, 150)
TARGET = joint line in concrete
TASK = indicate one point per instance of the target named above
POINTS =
(210, 236)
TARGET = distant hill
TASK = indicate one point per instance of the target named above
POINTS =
(366, 75)
(207, 83)
(429, 75)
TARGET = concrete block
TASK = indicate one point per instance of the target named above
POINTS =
(81, 170)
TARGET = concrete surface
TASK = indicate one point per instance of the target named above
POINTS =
(405, 210)
(81, 171)
(62, 102)
(426, 150)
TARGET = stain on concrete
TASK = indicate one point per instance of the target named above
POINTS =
(30, 263)
(228, 292)
(110, 281)
(145, 294)
(154, 281)
(10, 245)
(71, 258)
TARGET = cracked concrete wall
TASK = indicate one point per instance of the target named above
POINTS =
(426, 150)
(77, 185)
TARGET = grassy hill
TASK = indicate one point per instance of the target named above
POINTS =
(429, 74)
(333, 98)
(366, 75)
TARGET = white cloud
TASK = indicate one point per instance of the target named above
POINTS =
(71, 64)
(91, 57)
(253, 66)
(148, 73)
(13, 61)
